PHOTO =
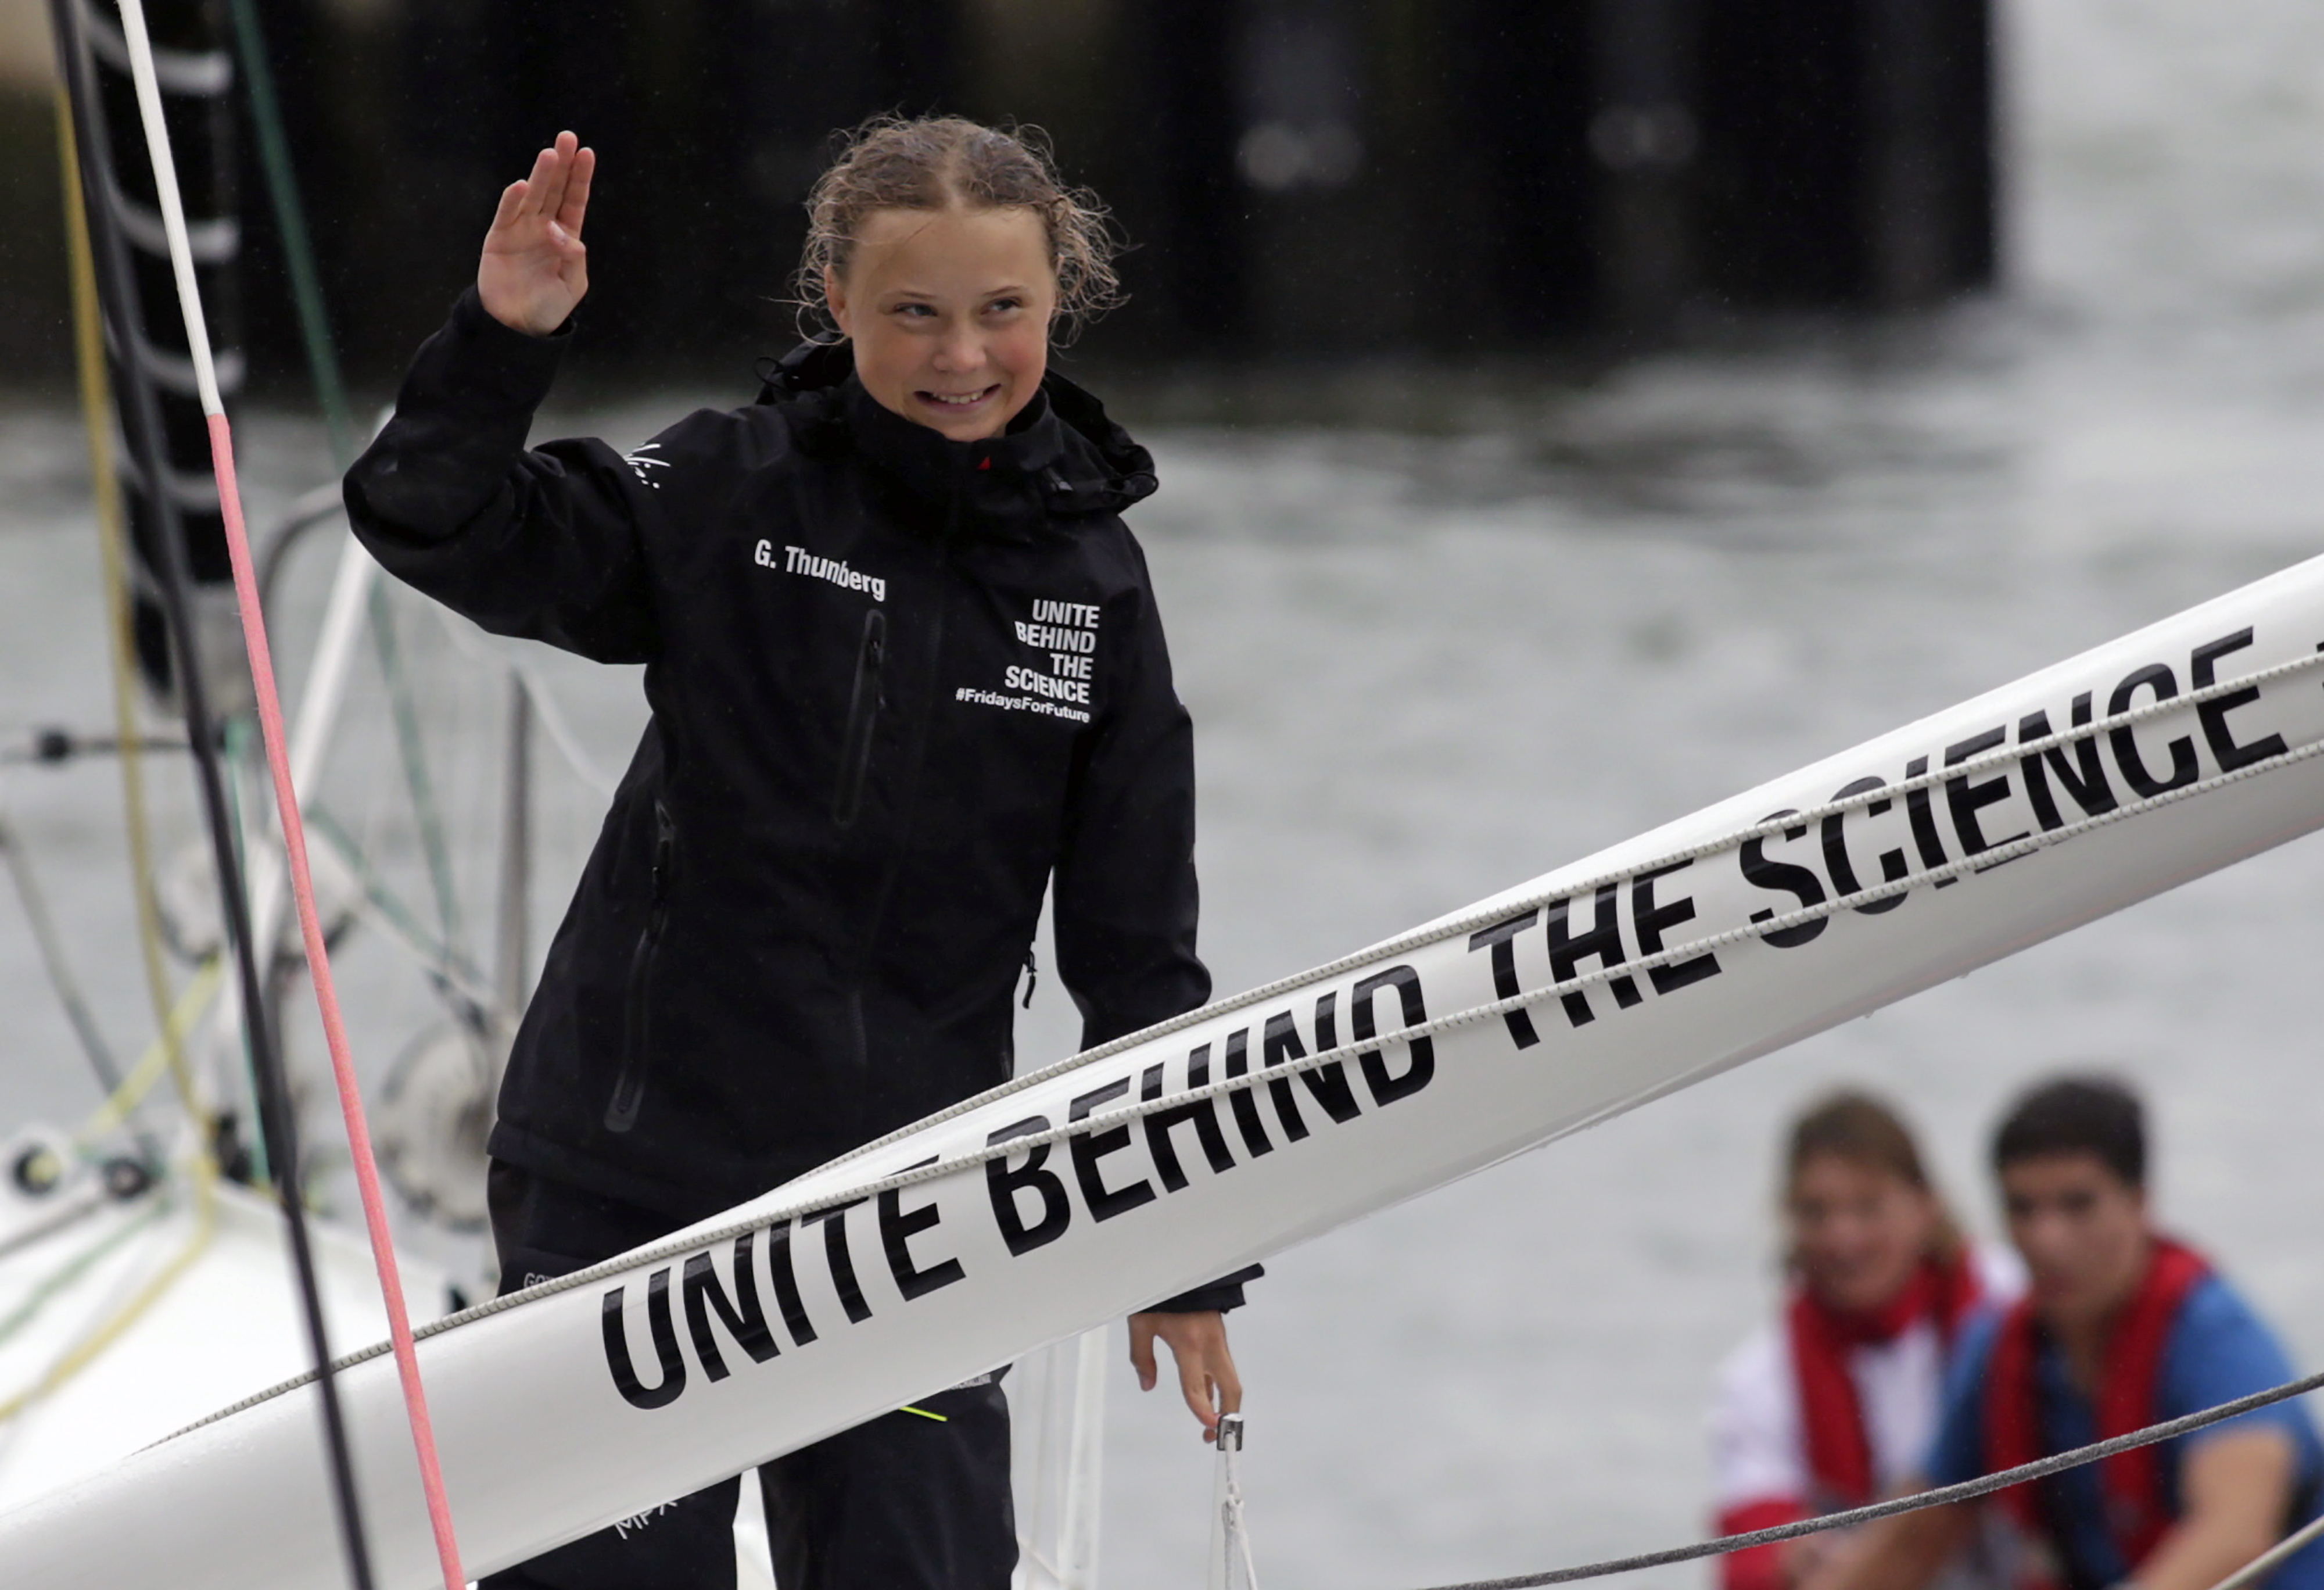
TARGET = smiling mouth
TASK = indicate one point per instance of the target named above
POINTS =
(956, 402)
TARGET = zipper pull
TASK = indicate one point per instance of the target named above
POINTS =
(1032, 976)
(665, 843)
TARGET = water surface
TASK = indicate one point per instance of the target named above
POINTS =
(1425, 667)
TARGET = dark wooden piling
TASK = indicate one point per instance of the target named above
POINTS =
(1295, 177)
(1848, 151)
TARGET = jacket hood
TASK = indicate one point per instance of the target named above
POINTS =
(1062, 457)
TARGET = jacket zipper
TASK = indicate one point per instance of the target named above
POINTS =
(637, 1035)
(862, 715)
(910, 783)
(873, 656)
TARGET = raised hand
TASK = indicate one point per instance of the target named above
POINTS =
(534, 269)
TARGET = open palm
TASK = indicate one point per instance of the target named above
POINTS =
(534, 269)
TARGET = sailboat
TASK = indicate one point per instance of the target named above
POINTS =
(1031, 1213)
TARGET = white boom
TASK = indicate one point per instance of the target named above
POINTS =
(1954, 841)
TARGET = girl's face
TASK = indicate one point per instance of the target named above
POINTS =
(949, 312)
(1857, 1231)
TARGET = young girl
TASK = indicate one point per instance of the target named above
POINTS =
(905, 674)
(1835, 1405)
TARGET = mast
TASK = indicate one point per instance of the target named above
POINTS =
(160, 407)
(146, 342)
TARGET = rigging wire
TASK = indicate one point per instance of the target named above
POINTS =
(461, 983)
(155, 1062)
(50, 1285)
(331, 395)
(91, 1346)
(1943, 1496)
(112, 541)
(236, 741)
(69, 1213)
(202, 1169)
(2273, 1558)
(61, 980)
(319, 965)
(143, 424)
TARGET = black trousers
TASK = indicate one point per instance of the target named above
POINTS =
(903, 1502)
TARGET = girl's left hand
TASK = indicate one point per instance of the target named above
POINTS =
(534, 269)
(1206, 1369)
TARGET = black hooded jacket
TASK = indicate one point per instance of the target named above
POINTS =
(897, 683)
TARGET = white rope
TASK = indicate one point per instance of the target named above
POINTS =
(146, 80)
(1229, 1563)
(2268, 1561)
(679, 1246)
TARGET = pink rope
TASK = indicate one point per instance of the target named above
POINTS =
(327, 999)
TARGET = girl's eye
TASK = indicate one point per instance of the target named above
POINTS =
(1003, 305)
(918, 309)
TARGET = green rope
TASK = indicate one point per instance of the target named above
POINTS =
(80, 1264)
(444, 962)
(426, 812)
(331, 393)
(291, 218)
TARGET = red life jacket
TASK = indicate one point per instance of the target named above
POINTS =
(1839, 1451)
(1831, 1423)
(2136, 1508)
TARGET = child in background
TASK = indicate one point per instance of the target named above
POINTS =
(1833, 1405)
(2121, 1327)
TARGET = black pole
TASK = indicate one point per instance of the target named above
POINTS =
(141, 422)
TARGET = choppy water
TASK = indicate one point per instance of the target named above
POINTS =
(1422, 670)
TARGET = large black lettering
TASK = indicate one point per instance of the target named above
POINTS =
(1004, 1184)
(744, 1315)
(2084, 776)
(1893, 864)
(786, 1285)
(1386, 1090)
(665, 1341)
(1501, 939)
(841, 1260)
(1328, 1083)
(1240, 1102)
(1200, 1115)
(1923, 819)
(2202, 671)
(2158, 677)
(1104, 1203)
(1568, 949)
(1649, 921)
(1966, 797)
(898, 1226)
(1278, 1042)
(1800, 883)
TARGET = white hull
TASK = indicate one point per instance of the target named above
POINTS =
(226, 1327)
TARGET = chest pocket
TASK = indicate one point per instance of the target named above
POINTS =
(863, 704)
